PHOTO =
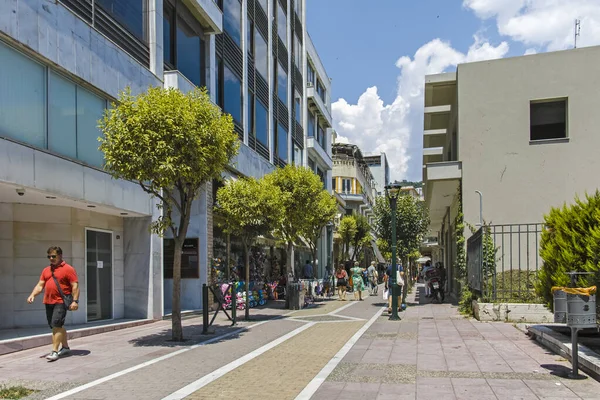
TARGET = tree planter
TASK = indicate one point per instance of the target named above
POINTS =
(512, 312)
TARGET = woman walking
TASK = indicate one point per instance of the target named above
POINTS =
(357, 281)
(342, 281)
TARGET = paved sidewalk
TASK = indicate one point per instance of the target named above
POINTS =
(435, 353)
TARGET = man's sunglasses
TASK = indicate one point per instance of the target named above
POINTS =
(52, 256)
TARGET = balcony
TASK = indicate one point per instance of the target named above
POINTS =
(441, 186)
(208, 13)
(176, 80)
(317, 152)
(315, 103)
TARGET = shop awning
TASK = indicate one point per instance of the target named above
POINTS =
(423, 259)
(378, 254)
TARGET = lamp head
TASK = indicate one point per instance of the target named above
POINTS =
(392, 190)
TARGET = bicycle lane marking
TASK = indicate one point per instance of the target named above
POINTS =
(205, 380)
(318, 380)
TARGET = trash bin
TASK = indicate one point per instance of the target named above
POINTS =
(581, 311)
(560, 307)
(295, 295)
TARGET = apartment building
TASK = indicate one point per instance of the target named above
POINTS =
(61, 65)
(519, 131)
(380, 169)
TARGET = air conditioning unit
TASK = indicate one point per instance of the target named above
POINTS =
(310, 84)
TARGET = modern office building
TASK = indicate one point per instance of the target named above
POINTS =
(62, 63)
(378, 164)
(521, 131)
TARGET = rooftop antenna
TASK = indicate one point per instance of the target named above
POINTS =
(577, 30)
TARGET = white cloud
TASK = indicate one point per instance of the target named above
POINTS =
(530, 52)
(377, 127)
(549, 24)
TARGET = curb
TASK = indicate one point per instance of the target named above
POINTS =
(589, 360)
(29, 342)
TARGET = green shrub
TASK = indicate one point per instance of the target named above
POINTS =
(516, 286)
(570, 242)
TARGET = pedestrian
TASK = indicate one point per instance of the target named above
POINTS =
(308, 270)
(61, 293)
(372, 278)
(399, 282)
(357, 281)
(342, 281)
(424, 272)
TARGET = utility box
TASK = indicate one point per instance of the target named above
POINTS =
(581, 311)
(560, 307)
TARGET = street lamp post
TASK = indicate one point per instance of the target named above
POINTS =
(391, 192)
(329, 250)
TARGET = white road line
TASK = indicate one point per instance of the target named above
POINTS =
(318, 380)
(154, 361)
(205, 380)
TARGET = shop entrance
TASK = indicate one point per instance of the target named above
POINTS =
(99, 274)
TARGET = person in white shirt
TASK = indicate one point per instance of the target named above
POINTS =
(426, 268)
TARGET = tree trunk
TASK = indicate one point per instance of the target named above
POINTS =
(176, 328)
(247, 287)
(313, 251)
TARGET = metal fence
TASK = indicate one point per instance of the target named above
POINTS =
(517, 261)
(475, 261)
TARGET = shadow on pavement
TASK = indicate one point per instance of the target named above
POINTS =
(557, 370)
(192, 334)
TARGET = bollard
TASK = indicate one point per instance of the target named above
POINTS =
(233, 304)
(204, 309)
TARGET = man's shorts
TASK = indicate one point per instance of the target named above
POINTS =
(56, 314)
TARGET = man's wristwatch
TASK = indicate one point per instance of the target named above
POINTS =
(76, 301)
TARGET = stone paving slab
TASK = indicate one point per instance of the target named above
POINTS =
(435, 353)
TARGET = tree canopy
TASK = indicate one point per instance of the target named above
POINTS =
(171, 144)
(300, 195)
(412, 223)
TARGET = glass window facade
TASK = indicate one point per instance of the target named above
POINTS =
(89, 110)
(62, 116)
(297, 52)
(250, 37)
(189, 53)
(321, 136)
(282, 143)
(232, 19)
(298, 8)
(298, 107)
(22, 98)
(281, 23)
(282, 84)
(48, 111)
(183, 44)
(250, 111)
(129, 13)
(262, 55)
(261, 123)
(321, 90)
(263, 4)
(232, 94)
(311, 125)
(311, 75)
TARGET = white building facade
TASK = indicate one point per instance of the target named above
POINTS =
(61, 65)
(522, 132)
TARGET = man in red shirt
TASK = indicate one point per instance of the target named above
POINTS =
(56, 310)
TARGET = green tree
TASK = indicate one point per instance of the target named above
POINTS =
(570, 242)
(249, 208)
(323, 212)
(347, 231)
(412, 223)
(300, 192)
(362, 236)
(171, 144)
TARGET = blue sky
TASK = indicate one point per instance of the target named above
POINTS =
(361, 41)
